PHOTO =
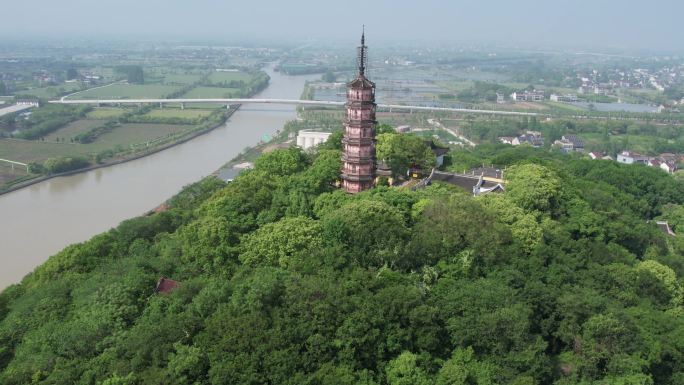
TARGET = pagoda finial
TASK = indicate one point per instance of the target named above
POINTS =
(363, 52)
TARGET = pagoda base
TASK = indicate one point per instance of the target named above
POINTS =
(354, 187)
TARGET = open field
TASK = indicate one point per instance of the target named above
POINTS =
(104, 113)
(181, 78)
(220, 77)
(27, 151)
(178, 113)
(127, 91)
(211, 93)
(564, 106)
(72, 129)
(51, 91)
(134, 133)
(455, 85)
(637, 143)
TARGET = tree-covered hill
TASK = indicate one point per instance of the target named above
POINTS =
(286, 280)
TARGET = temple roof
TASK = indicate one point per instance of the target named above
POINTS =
(438, 151)
(165, 285)
(476, 184)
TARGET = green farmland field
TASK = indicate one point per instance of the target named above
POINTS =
(28, 151)
(221, 77)
(134, 133)
(127, 91)
(72, 129)
(180, 78)
(51, 91)
(212, 93)
(106, 113)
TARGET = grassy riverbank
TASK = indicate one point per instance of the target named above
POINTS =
(93, 136)
(125, 141)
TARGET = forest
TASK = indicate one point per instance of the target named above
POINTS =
(283, 279)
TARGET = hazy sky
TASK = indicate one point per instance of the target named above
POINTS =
(591, 23)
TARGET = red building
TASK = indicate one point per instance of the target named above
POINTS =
(358, 168)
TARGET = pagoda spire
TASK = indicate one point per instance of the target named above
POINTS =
(363, 52)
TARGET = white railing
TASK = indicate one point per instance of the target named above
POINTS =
(13, 163)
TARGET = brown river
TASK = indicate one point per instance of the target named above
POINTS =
(39, 220)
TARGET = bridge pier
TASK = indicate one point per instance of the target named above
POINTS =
(182, 106)
(161, 105)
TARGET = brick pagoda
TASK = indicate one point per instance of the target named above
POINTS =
(358, 166)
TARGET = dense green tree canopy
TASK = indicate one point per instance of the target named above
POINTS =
(284, 279)
(403, 151)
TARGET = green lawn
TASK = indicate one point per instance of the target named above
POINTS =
(105, 113)
(178, 113)
(212, 93)
(127, 91)
(220, 77)
(72, 129)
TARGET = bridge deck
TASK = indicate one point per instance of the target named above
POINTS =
(288, 101)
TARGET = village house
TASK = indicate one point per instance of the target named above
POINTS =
(598, 155)
(528, 96)
(666, 162)
(569, 143)
(629, 157)
(533, 138)
(567, 98)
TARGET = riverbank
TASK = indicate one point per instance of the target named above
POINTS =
(40, 220)
(192, 135)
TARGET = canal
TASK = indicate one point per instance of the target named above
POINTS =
(38, 221)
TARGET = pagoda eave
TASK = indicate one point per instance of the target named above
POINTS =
(357, 178)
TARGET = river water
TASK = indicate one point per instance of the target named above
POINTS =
(40, 220)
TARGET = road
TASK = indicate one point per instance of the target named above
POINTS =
(14, 108)
(90, 89)
(462, 138)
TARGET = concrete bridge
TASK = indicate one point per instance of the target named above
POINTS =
(228, 102)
